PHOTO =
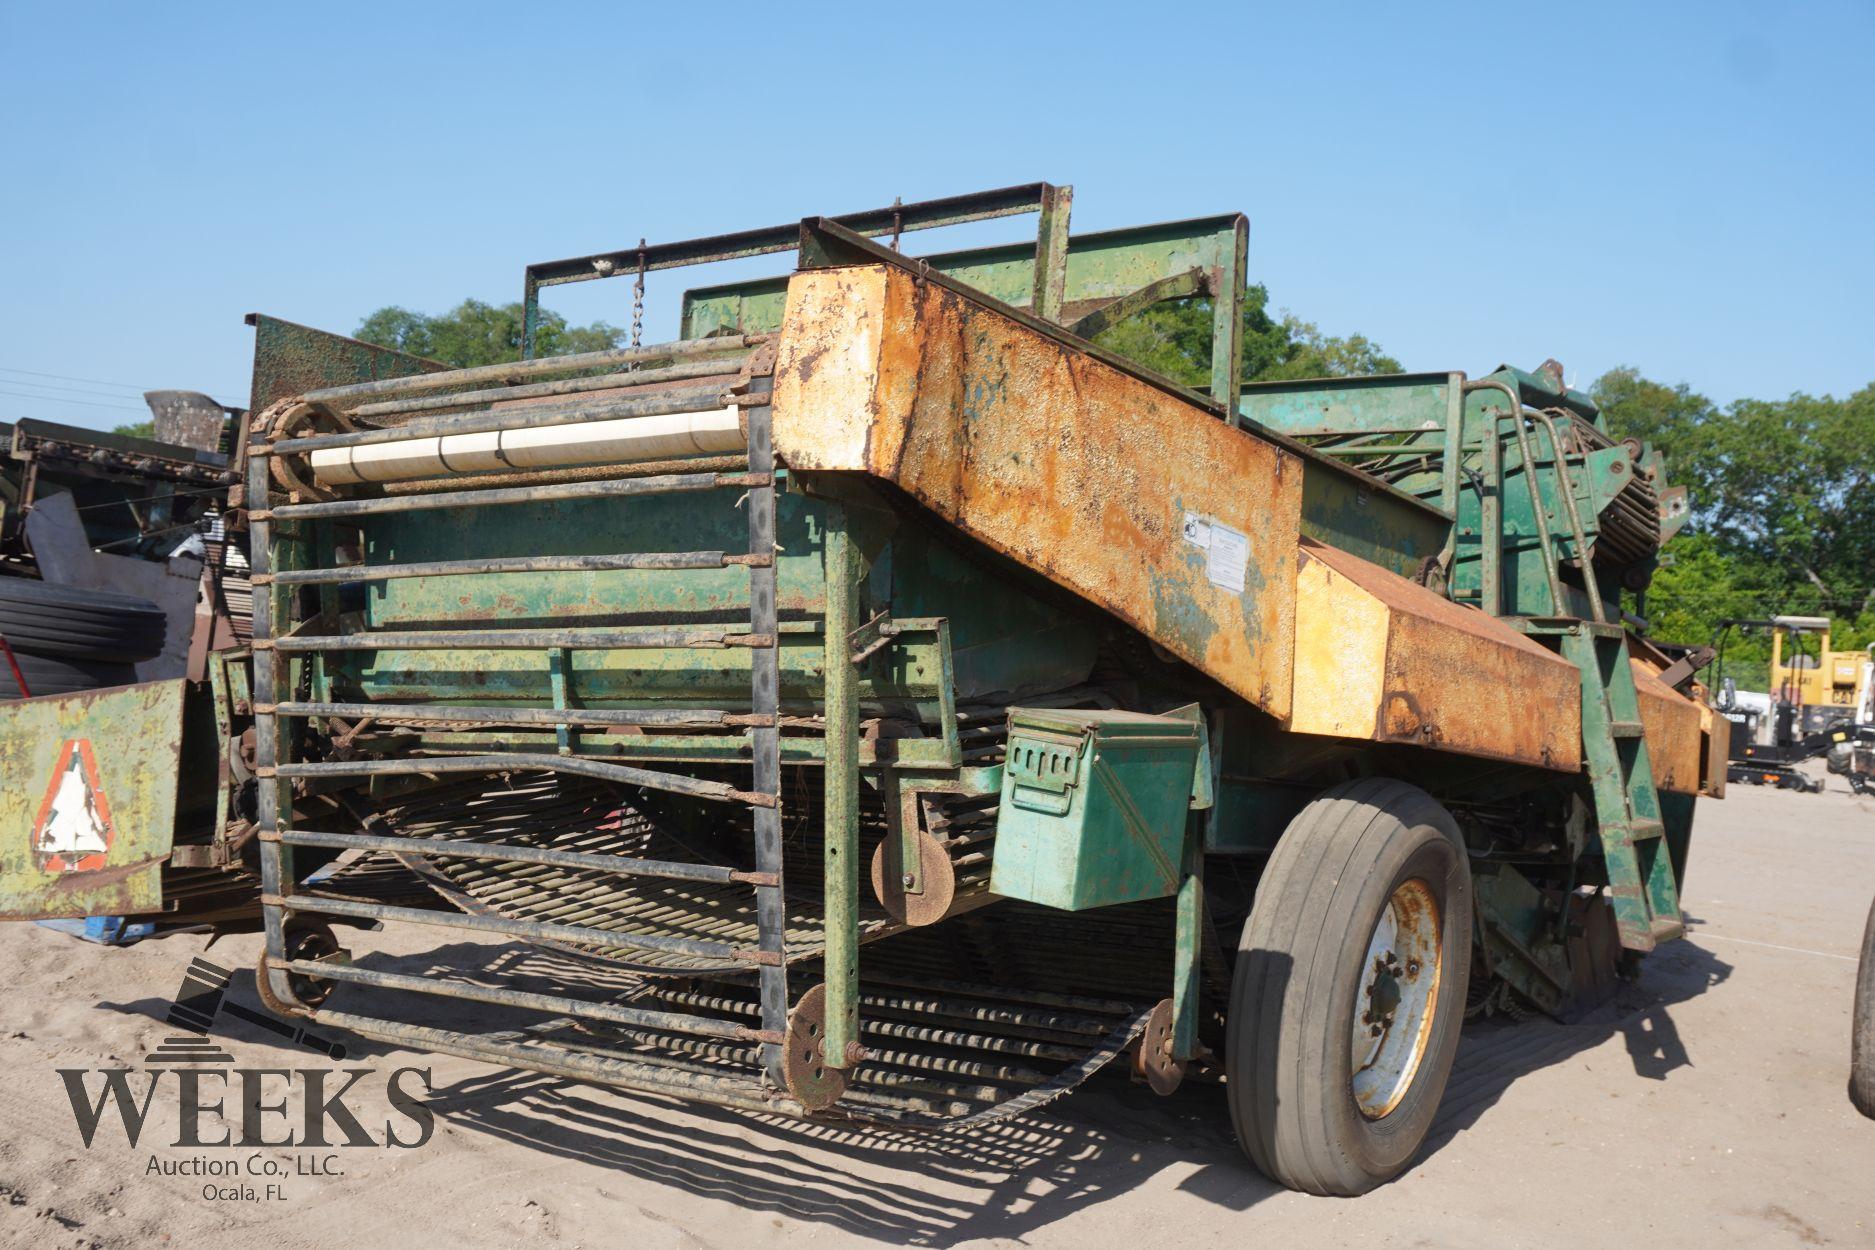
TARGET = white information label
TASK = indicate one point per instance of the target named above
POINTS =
(1229, 555)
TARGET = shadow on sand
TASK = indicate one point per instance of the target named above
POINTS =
(938, 1188)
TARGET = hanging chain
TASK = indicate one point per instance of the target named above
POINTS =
(638, 304)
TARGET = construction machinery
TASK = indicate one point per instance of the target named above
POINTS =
(1824, 686)
(1819, 704)
(911, 706)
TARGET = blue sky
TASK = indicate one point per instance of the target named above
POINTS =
(1684, 187)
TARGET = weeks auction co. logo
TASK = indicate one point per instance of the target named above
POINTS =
(262, 1111)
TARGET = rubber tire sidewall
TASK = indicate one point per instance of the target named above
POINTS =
(1370, 837)
(1862, 1026)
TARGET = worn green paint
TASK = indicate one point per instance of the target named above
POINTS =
(1447, 443)
(1516, 926)
(1051, 253)
(1100, 267)
(840, 833)
(1001, 638)
(133, 737)
(1411, 402)
(1641, 879)
(1374, 524)
(1094, 807)
(1188, 944)
(291, 359)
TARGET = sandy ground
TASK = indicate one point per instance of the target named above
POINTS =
(1705, 1105)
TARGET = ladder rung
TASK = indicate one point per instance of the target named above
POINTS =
(604, 488)
(662, 717)
(624, 865)
(501, 996)
(1626, 728)
(425, 765)
(1642, 830)
(637, 562)
(582, 934)
(1666, 928)
(621, 639)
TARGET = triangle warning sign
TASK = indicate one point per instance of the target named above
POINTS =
(74, 831)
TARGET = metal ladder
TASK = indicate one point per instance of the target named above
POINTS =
(1641, 881)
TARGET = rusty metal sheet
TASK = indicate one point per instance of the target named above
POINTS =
(1136, 500)
(1718, 747)
(1675, 732)
(88, 801)
(1383, 658)
(291, 359)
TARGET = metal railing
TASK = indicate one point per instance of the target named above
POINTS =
(280, 650)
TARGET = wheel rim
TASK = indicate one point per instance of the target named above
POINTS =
(1395, 999)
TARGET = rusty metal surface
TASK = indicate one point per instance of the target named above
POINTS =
(187, 419)
(1718, 735)
(291, 359)
(1674, 730)
(88, 801)
(1383, 658)
(1053, 458)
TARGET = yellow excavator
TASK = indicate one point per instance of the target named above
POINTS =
(1820, 701)
(1825, 687)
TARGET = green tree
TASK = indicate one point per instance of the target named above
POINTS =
(136, 429)
(1175, 339)
(1783, 496)
(475, 333)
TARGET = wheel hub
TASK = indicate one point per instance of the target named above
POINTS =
(1395, 999)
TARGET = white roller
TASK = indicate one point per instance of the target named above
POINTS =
(620, 441)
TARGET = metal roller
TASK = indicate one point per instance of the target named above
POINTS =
(529, 446)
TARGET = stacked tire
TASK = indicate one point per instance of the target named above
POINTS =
(66, 639)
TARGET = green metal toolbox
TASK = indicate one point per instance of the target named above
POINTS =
(1094, 806)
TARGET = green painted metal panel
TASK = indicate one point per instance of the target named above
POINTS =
(1095, 806)
(1002, 639)
(1374, 524)
(291, 359)
(1414, 402)
(88, 801)
(1516, 925)
(1102, 266)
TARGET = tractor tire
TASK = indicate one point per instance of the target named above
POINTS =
(1362, 920)
(98, 625)
(1862, 1027)
(49, 675)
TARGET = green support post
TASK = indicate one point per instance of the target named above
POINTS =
(841, 888)
(1227, 283)
(558, 667)
(1051, 253)
(1190, 942)
(530, 316)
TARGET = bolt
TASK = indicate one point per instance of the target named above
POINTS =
(1412, 967)
(1376, 1031)
(908, 881)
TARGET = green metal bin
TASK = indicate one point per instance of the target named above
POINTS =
(1094, 806)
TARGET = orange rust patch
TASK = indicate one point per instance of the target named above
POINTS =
(1672, 725)
(1070, 466)
(1384, 658)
